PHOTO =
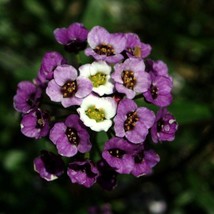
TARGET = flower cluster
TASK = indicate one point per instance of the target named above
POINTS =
(111, 93)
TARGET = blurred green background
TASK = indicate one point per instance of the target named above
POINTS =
(181, 33)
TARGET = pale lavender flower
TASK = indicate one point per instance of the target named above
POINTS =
(133, 122)
(27, 97)
(83, 172)
(49, 166)
(165, 126)
(104, 45)
(70, 137)
(67, 87)
(130, 77)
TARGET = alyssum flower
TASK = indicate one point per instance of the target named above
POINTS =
(133, 122)
(35, 124)
(130, 77)
(70, 136)
(97, 112)
(27, 97)
(73, 38)
(100, 115)
(67, 87)
(49, 166)
(99, 75)
(104, 45)
(164, 127)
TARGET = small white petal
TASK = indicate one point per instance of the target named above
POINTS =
(85, 70)
(171, 121)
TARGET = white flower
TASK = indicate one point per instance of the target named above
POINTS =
(99, 74)
(97, 112)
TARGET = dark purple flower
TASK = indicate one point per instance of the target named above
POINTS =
(104, 45)
(100, 209)
(49, 166)
(133, 122)
(107, 178)
(70, 137)
(74, 38)
(136, 48)
(35, 124)
(27, 97)
(49, 62)
(67, 87)
(159, 92)
(83, 173)
(164, 127)
(117, 153)
(144, 161)
(130, 77)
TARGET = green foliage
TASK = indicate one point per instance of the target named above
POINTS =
(181, 34)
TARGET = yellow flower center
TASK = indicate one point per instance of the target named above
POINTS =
(69, 88)
(97, 114)
(98, 79)
(129, 79)
(131, 121)
(104, 49)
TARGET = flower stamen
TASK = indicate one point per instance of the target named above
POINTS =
(129, 79)
(72, 136)
(104, 49)
(116, 153)
(98, 79)
(131, 121)
(97, 114)
(154, 91)
(69, 88)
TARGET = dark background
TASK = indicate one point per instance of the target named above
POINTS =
(181, 34)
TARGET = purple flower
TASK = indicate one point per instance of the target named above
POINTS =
(27, 97)
(164, 127)
(133, 122)
(117, 153)
(107, 178)
(144, 161)
(159, 92)
(35, 124)
(157, 68)
(83, 173)
(49, 62)
(70, 137)
(49, 166)
(74, 38)
(105, 46)
(105, 208)
(67, 87)
(130, 77)
(136, 48)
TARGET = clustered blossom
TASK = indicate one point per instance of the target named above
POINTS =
(111, 93)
